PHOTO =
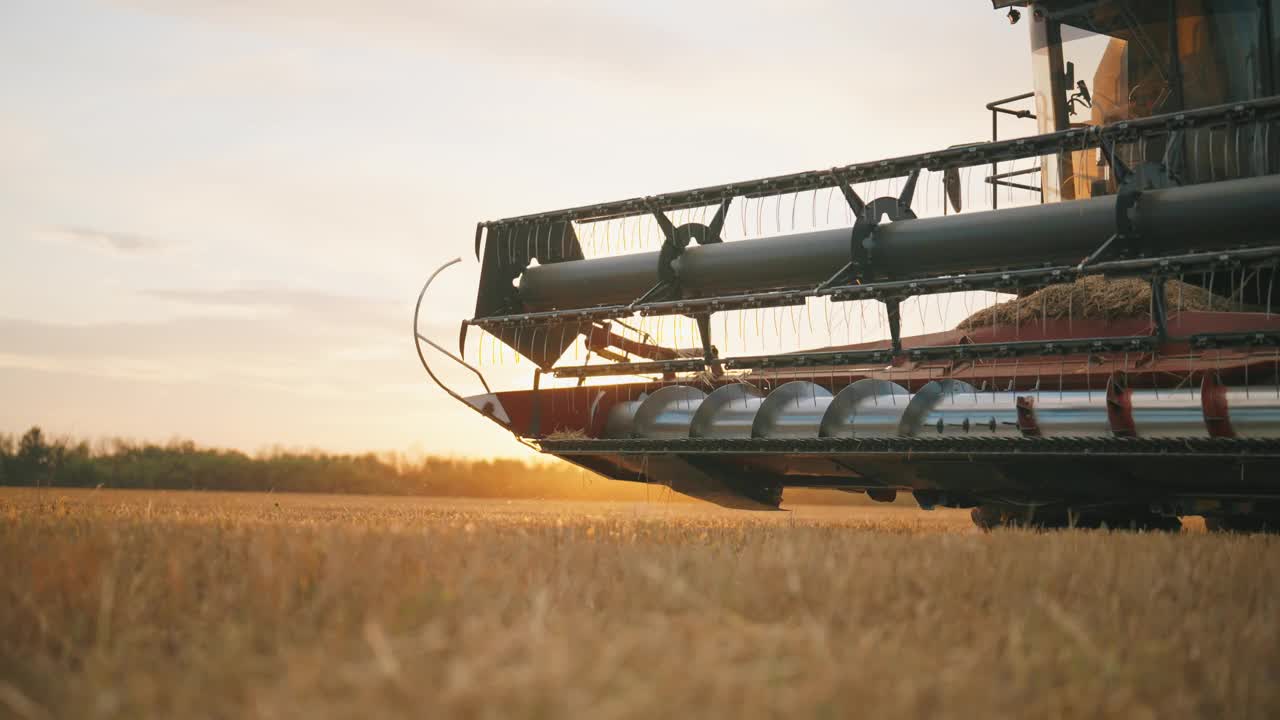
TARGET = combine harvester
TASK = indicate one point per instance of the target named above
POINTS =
(1156, 171)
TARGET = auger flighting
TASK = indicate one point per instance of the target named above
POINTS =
(1170, 413)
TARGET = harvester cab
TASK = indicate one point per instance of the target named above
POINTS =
(1100, 63)
(1115, 358)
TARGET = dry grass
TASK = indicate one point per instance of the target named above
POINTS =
(570, 434)
(1096, 297)
(129, 604)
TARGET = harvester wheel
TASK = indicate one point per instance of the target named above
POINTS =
(1152, 523)
(987, 517)
(1253, 523)
(770, 495)
(1134, 519)
(990, 517)
(1057, 517)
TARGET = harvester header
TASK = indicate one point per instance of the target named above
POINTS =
(1173, 412)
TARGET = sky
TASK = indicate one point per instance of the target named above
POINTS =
(215, 216)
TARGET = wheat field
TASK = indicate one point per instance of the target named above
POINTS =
(169, 604)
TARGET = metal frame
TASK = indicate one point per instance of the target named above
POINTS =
(1010, 280)
(960, 447)
(956, 157)
(419, 338)
(958, 353)
(1168, 266)
(997, 107)
(1158, 269)
(859, 278)
(1002, 179)
(859, 268)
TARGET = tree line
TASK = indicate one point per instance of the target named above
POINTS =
(35, 459)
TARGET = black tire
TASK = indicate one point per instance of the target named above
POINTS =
(1253, 523)
(1059, 517)
(987, 517)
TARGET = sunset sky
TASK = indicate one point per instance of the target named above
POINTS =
(215, 216)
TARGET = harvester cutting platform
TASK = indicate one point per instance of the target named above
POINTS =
(1156, 172)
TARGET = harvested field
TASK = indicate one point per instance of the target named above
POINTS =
(1099, 298)
(172, 604)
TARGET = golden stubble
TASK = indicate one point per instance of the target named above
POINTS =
(125, 604)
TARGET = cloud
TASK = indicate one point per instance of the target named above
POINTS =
(349, 370)
(299, 352)
(561, 32)
(274, 74)
(312, 305)
(127, 243)
(22, 141)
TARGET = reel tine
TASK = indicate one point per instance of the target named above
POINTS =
(742, 321)
(724, 330)
(1270, 284)
(826, 306)
(909, 190)
(1195, 155)
(1239, 170)
(1071, 301)
(715, 227)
